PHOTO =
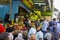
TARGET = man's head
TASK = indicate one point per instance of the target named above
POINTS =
(48, 29)
(11, 29)
(33, 37)
(54, 19)
(32, 23)
(4, 36)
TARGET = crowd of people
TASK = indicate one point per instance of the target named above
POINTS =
(30, 30)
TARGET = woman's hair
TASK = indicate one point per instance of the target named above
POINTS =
(10, 29)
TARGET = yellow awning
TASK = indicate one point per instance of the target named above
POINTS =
(28, 3)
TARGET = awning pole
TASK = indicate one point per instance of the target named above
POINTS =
(10, 8)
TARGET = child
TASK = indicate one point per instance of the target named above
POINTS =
(48, 35)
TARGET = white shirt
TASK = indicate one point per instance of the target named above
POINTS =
(58, 27)
(48, 36)
(29, 21)
(20, 35)
(45, 25)
(10, 36)
(19, 38)
(16, 19)
(59, 39)
(39, 35)
(31, 31)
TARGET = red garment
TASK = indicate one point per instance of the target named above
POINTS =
(2, 29)
(24, 28)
